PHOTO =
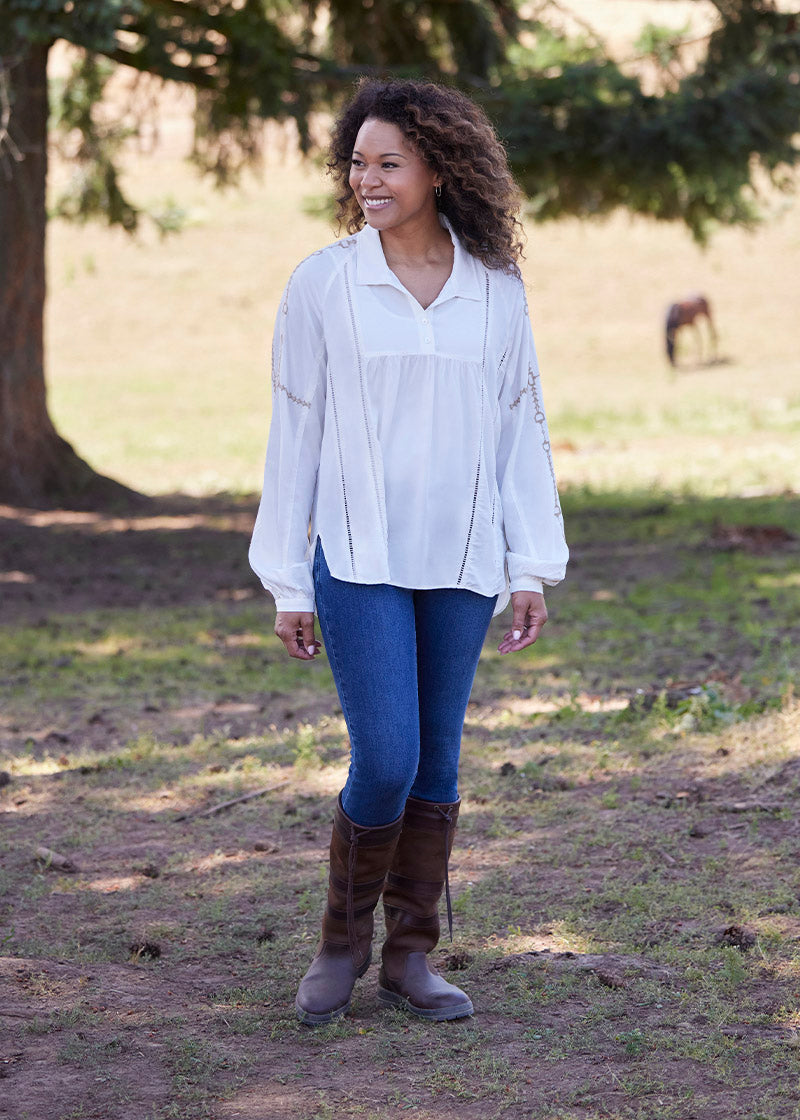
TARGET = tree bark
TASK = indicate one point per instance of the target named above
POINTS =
(37, 466)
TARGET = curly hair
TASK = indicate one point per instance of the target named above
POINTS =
(456, 140)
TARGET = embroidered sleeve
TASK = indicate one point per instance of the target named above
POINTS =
(280, 547)
(536, 548)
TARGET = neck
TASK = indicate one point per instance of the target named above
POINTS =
(423, 241)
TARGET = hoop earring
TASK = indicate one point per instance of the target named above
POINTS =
(437, 191)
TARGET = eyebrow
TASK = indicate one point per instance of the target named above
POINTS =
(384, 154)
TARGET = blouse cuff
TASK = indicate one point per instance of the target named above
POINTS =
(295, 606)
(529, 573)
(528, 583)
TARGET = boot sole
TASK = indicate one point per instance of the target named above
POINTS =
(317, 1018)
(436, 1014)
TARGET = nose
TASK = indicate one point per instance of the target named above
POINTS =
(370, 178)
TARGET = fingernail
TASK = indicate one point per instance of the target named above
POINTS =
(517, 635)
(311, 649)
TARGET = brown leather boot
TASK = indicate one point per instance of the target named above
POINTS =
(411, 905)
(360, 858)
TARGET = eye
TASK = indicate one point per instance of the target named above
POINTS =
(356, 162)
(388, 164)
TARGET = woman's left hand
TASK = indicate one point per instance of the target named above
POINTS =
(530, 615)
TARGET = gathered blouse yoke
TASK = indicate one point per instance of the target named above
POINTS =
(411, 441)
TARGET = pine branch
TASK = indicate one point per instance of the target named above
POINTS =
(170, 71)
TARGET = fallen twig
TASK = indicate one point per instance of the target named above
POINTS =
(749, 807)
(52, 859)
(233, 801)
(666, 856)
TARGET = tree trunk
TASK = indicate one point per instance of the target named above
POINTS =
(37, 466)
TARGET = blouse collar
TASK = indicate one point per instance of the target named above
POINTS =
(371, 267)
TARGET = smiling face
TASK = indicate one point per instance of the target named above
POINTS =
(392, 183)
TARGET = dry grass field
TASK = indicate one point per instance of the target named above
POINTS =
(625, 878)
(157, 348)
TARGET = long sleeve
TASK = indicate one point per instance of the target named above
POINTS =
(279, 549)
(536, 548)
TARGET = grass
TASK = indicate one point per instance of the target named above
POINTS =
(627, 799)
(625, 877)
(193, 316)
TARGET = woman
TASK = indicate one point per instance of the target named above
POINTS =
(408, 487)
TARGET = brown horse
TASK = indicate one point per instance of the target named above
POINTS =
(684, 314)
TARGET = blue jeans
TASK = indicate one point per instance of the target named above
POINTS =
(403, 662)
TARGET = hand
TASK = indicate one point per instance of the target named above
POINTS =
(530, 615)
(296, 631)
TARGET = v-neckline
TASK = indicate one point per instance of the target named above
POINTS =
(410, 294)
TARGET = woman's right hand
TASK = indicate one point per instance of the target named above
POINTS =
(296, 631)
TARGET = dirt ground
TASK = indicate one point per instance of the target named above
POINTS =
(627, 906)
(625, 878)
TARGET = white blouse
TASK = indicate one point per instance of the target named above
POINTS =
(410, 440)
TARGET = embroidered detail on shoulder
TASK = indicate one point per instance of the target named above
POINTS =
(285, 304)
(539, 418)
(278, 343)
(279, 387)
(277, 351)
(529, 388)
(344, 243)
